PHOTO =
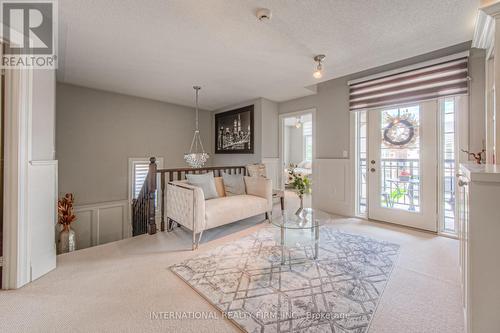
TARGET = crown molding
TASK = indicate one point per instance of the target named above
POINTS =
(483, 31)
(491, 9)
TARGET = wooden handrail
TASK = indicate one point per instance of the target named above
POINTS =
(144, 208)
(202, 169)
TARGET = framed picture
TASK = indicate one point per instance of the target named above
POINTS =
(234, 131)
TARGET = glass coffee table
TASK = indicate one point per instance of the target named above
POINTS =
(309, 218)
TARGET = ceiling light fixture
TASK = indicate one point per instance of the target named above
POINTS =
(318, 73)
(196, 157)
(264, 14)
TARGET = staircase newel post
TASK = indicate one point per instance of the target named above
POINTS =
(151, 196)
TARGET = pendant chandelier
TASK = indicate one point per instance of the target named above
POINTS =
(196, 157)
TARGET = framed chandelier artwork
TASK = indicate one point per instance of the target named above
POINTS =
(234, 131)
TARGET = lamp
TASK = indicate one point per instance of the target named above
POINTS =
(196, 158)
(318, 74)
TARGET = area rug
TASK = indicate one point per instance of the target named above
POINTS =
(338, 292)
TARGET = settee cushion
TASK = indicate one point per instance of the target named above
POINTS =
(233, 184)
(206, 182)
(225, 210)
(219, 186)
(256, 170)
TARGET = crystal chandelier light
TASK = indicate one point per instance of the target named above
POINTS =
(196, 158)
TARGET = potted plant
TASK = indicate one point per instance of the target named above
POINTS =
(66, 216)
(300, 183)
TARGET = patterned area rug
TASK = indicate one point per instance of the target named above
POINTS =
(339, 292)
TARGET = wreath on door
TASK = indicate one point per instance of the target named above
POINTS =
(400, 130)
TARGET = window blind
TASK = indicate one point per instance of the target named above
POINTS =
(307, 128)
(140, 169)
(438, 80)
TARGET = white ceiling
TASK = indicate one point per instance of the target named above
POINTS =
(159, 49)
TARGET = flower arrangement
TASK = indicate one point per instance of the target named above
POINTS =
(65, 211)
(300, 183)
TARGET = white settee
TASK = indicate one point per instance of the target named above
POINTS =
(187, 206)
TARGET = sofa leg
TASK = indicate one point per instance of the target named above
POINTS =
(196, 243)
(267, 216)
(199, 239)
(170, 224)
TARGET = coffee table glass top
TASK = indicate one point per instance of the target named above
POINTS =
(307, 219)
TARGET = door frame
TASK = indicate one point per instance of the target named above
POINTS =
(17, 230)
(427, 217)
(282, 143)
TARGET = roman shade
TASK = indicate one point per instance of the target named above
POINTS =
(429, 82)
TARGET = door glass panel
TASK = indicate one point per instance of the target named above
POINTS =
(448, 164)
(362, 150)
(400, 159)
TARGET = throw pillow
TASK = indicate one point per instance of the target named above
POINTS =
(233, 184)
(207, 183)
(256, 170)
(219, 185)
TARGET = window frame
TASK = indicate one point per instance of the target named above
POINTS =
(131, 176)
(304, 142)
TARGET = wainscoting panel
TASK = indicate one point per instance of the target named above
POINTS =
(333, 193)
(273, 170)
(101, 223)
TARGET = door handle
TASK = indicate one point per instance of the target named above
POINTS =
(372, 169)
(372, 161)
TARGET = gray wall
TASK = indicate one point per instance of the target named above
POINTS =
(270, 123)
(98, 131)
(477, 115)
(332, 103)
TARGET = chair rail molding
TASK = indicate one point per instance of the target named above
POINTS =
(102, 223)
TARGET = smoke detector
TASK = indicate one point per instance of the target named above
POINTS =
(264, 14)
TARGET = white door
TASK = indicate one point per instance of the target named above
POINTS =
(402, 165)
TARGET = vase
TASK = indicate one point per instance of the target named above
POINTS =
(67, 241)
(301, 208)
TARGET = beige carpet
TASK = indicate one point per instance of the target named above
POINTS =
(114, 287)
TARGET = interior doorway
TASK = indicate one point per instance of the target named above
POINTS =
(297, 151)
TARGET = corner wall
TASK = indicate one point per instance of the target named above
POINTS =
(97, 133)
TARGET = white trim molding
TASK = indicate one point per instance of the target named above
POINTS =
(102, 223)
(483, 31)
(16, 245)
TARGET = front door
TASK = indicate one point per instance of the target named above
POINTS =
(402, 165)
